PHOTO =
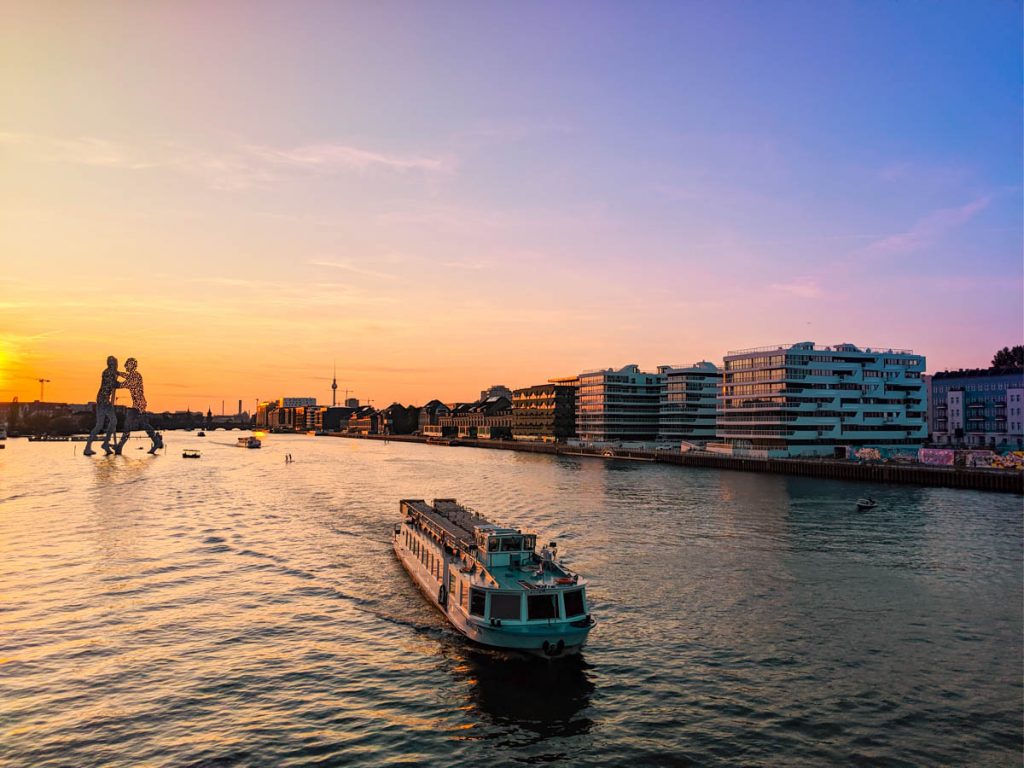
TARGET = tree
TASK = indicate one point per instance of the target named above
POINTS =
(1009, 358)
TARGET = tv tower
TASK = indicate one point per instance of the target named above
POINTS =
(334, 386)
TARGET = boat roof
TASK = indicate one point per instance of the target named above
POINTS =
(448, 519)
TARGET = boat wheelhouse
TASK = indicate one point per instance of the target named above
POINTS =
(490, 582)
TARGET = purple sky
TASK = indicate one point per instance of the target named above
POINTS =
(440, 196)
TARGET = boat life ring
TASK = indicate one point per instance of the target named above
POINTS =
(442, 595)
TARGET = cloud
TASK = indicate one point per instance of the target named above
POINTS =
(336, 157)
(805, 288)
(928, 229)
(233, 168)
(351, 268)
(81, 151)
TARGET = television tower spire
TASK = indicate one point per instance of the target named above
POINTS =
(334, 386)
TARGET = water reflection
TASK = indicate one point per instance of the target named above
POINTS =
(521, 693)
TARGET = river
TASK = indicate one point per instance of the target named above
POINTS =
(238, 610)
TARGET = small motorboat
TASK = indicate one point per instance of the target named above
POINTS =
(249, 442)
(866, 503)
(201, 434)
(191, 453)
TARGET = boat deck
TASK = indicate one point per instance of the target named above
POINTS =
(449, 519)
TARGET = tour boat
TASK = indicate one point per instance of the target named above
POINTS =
(249, 442)
(489, 581)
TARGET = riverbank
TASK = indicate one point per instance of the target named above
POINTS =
(997, 480)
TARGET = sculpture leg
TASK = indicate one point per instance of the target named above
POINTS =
(111, 428)
(129, 425)
(101, 420)
(158, 442)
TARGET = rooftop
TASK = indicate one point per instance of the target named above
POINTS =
(811, 346)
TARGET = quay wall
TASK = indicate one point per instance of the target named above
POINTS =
(999, 480)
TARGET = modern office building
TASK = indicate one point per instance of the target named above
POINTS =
(262, 411)
(807, 400)
(296, 402)
(978, 408)
(545, 412)
(688, 403)
(618, 406)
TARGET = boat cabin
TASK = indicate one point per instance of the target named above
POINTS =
(504, 547)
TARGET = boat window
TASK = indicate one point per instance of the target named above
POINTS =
(476, 602)
(529, 543)
(505, 606)
(542, 606)
(493, 544)
(511, 543)
(573, 602)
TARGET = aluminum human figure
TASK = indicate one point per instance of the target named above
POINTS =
(135, 418)
(106, 418)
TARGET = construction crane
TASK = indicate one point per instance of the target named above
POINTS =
(42, 384)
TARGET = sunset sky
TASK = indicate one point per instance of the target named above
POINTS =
(441, 196)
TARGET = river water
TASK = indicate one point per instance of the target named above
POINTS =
(241, 611)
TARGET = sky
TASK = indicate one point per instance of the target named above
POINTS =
(439, 196)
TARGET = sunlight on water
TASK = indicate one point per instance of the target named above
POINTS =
(238, 610)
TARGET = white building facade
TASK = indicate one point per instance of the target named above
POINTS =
(618, 406)
(981, 408)
(807, 400)
(688, 403)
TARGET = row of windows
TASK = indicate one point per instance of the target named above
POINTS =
(774, 373)
(508, 605)
(753, 362)
(941, 389)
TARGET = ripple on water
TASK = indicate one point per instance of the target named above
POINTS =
(240, 611)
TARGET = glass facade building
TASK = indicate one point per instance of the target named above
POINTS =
(618, 406)
(687, 403)
(807, 400)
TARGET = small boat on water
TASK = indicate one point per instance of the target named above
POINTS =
(201, 434)
(191, 453)
(489, 581)
(866, 504)
(249, 442)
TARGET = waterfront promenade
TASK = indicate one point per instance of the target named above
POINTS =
(1000, 480)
